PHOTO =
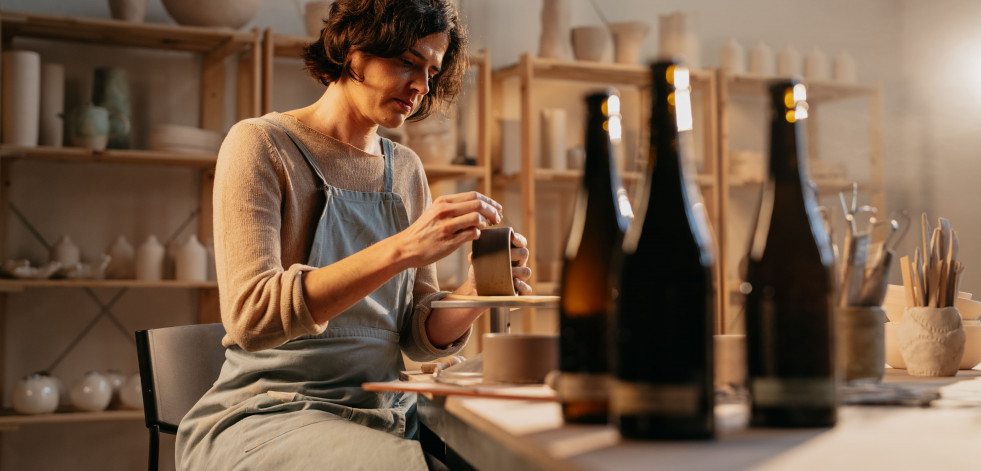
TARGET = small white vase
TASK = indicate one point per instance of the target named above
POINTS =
(131, 394)
(761, 59)
(92, 392)
(732, 58)
(150, 260)
(553, 138)
(36, 394)
(121, 264)
(788, 62)
(628, 37)
(52, 126)
(21, 97)
(133, 11)
(931, 340)
(553, 43)
(843, 68)
(65, 252)
(816, 66)
(191, 263)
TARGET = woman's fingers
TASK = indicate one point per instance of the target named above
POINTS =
(519, 256)
(468, 196)
(489, 213)
(521, 273)
(523, 288)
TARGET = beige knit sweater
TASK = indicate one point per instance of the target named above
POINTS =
(266, 209)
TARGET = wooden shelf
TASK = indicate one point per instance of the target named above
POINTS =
(12, 420)
(16, 286)
(215, 41)
(819, 91)
(438, 172)
(78, 154)
(290, 46)
(589, 71)
(575, 176)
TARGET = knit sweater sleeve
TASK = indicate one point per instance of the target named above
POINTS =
(262, 303)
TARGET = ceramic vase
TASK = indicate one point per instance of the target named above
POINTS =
(553, 138)
(36, 394)
(931, 340)
(92, 392)
(843, 68)
(732, 58)
(628, 37)
(131, 394)
(788, 62)
(220, 13)
(314, 15)
(677, 37)
(861, 342)
(66, 252)
(816, 66)
(121, 263)
(21, 97)
(52, 128)
(133, 11)
(761, 61)
(150, 260)
(191, 263)
(589, 43)
(88, 127)
(556, 29)
(116, 380)
(110, 90)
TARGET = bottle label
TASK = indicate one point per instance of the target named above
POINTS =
(629, 398)
(791, 392)
(583, 387)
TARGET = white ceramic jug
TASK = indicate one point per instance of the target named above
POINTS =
(733, 57)
(761, 59)
(150, 260)
(65, 252)
(121, 264)
(92, 392)
(36, 394)
(788, 62)
(816, 65)
(191, 262)
(131, 394)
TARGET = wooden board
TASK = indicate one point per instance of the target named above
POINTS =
(534, 392)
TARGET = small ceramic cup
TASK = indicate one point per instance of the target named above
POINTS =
(931, 340)
(492, 262)
(861, 342)
(589, 42)
(519, 358)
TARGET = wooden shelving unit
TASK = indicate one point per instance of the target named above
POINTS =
(115, 156)
(530, 70)
(818, 94)
(11, 420)
(18, 286)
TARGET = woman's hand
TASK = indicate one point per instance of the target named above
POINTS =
(451, 221)
(520, 272)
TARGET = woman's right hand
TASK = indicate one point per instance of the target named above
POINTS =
(450, 221)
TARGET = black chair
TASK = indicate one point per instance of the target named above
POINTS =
(177, 366)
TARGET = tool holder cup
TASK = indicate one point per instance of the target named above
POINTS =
(931, 340)
(861, 345)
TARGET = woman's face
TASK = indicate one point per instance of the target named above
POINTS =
(394, 87)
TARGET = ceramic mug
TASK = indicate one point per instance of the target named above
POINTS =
(519, 358)
(492, 262)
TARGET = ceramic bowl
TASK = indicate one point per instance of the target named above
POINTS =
(219, 13)
(895, 303)
(970, 309)
(35, 394)
(91, 393)
(893, 357)
(589, 43)
(972, 349)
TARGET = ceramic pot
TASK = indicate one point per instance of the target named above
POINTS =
(628, 37)
(116, 380)
(816, 66)
(861, 342)
(121, 263)
(931, 340)
(21, 97)
(52, 127)
(553, 138)
(676, 37)
(88, 127)
(150, 260)
(131, 394)
(219, 13)
(65, 252)
(589, 43)
(732, 58)
(843, 68)
(788, 62)
(91, 393)
(191, 262)
(553, 43)
(519, 358)
(761, 60)
(314, 15)
(110, 90)
(133, 11)
(36, 394)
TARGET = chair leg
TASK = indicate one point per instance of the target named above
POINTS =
(153, 457)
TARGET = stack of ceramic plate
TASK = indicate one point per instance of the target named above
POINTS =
(184, 139)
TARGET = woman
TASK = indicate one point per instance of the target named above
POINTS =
(325, 244)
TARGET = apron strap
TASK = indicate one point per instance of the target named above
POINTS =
(389, 163)
(303, 150)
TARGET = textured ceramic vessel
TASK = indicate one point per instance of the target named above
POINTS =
(553, 43)
(861, 342)
(628, 37)
(931, 340)
(217, 13)
(589, 43)
(88, 127)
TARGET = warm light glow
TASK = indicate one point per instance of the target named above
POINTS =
(614, 128)
(800, 93)
(682, 99)
(788, 99)
(613, 105)
(791, 116)
(682, 78)
(801, 111)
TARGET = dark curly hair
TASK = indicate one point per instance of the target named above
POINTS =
(389, 28)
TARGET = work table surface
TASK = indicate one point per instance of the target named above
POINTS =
(504, 434)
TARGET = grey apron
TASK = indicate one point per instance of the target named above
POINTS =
(300, 405)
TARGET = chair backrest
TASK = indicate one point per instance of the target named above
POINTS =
(177, 366)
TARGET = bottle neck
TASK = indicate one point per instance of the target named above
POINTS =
(788, 158)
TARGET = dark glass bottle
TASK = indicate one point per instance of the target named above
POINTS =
(589, 270)
(662, 375)
(789, 317)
